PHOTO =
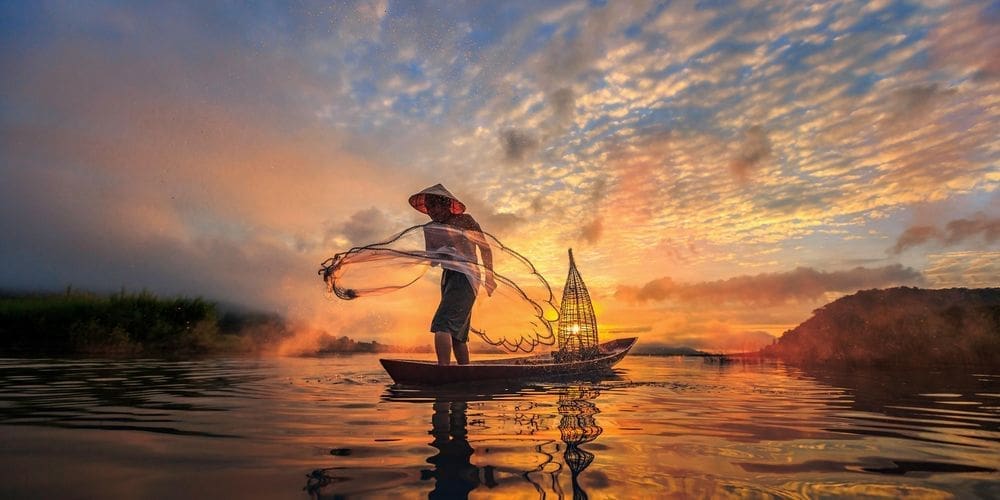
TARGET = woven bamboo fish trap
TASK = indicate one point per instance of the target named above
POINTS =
(577, 330)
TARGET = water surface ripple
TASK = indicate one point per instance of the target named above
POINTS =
(336, 427)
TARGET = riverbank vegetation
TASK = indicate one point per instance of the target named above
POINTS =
(129, 324)
(328, 344)
(894, 327)
(899, 327)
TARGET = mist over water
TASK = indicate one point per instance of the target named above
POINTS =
(337, 427)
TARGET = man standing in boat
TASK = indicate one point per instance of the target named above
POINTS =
(453, 238)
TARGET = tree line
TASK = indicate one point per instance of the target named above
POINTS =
(129, 324)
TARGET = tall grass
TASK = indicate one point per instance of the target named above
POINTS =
(123, 323)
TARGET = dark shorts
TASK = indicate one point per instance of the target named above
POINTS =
(455, 311)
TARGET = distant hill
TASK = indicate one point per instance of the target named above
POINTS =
(656, 349)
(899, 327)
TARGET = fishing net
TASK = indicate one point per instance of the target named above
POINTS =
(516, 316)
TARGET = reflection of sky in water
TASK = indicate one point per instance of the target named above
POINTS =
(271, 427)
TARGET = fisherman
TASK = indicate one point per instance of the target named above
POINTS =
(453, 238)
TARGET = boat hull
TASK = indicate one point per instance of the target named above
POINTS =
(413, 372)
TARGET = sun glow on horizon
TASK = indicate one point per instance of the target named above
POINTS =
(721, 169)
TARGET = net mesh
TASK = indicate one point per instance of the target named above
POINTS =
(516, 315)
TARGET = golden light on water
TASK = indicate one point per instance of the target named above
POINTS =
(720, 180)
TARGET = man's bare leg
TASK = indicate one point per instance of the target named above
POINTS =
(461, 351)
(442, 345)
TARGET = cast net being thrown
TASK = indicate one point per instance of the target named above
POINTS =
(517, 316)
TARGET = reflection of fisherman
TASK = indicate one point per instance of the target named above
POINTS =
(454, 474)
(454, 238)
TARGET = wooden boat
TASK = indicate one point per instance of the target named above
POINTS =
(405, 371)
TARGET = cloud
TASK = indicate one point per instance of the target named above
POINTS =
(591, 231)
(517, 144)
(754, 149)
(955, 232)
(171, 159)
(909, 107)
(960, 230)
(771, 288)
(373, 10)
(497, 223)
(598, 191)
(613, 124)
(689, 28)
(974, 269)
(366, 226)
(493, 221)
(966, 39)
(913, 236)
(631, 329)
(563, 104)
(575, 51)
(120, 241)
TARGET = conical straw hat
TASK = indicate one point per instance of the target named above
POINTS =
(417, 200)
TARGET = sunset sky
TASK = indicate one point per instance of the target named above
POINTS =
(720, 169)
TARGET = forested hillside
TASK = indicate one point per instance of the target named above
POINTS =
(899, 326)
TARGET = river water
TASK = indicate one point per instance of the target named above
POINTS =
(336, 427)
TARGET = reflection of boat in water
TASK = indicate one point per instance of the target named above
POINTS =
(493, 437)
(525, 368)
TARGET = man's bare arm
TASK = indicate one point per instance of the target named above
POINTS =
(487, 253)
(479, 238)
